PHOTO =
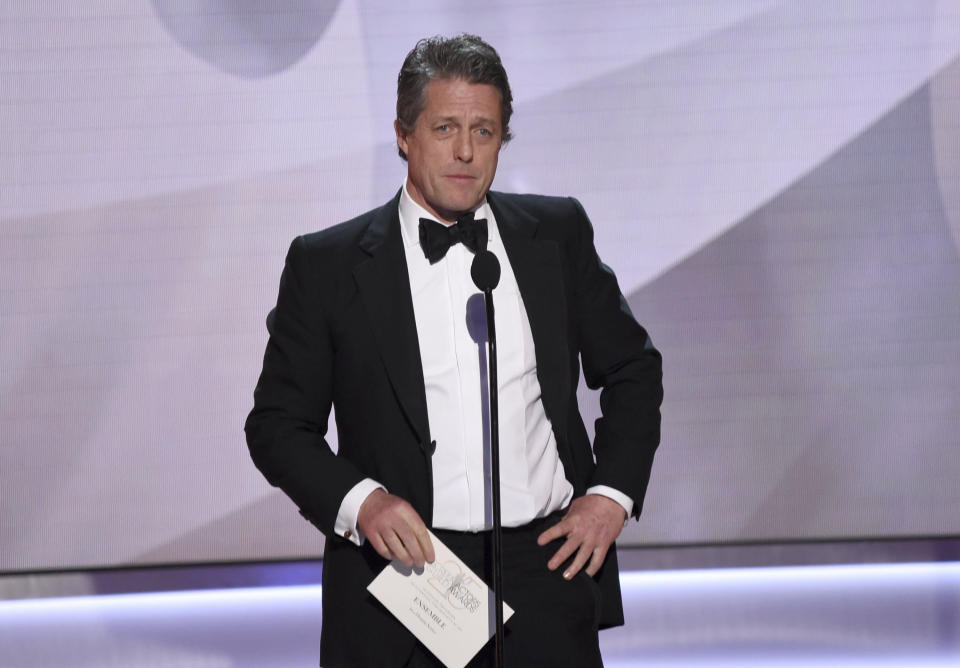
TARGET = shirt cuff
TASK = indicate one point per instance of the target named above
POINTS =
(346, 524)
(616, 495)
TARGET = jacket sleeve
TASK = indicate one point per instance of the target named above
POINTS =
(618, 357)
(287, 427)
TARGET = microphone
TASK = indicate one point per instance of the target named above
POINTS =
(485, 270)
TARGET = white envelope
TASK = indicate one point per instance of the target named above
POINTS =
(445, 605)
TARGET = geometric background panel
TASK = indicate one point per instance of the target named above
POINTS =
(812, 355)
(775, 183)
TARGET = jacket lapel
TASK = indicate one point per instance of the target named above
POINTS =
(384, 287)
(536, 266)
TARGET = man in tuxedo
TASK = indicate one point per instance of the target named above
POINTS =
(378, 316)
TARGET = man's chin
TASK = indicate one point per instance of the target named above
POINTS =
(455, 206)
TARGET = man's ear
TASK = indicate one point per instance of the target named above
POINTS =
(401, 136)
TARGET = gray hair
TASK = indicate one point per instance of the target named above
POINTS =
(465, 57)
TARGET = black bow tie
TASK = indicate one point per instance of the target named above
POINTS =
(436, 239)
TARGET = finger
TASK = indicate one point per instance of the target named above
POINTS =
(558, 530)
(582, 555)
(426, 545)
(397, 550)
(411, 544)
(418, 534)
(596, 561)
(402, 521)
(561, 555)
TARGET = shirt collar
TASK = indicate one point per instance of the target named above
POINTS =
(411, 213)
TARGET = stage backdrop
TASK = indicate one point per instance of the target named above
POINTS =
(776, 184)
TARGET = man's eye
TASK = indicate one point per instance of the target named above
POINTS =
(443, 128)
(485, 132)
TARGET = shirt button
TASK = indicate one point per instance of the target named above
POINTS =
(347, 533)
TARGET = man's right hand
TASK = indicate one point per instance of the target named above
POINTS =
(395, 529)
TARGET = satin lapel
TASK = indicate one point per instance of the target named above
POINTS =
(384, 286)
(536, 265)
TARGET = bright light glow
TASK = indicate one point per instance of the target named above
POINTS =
(253, 596)
(850, 616)
(771, 576)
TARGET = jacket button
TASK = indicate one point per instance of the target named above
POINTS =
(432, 448)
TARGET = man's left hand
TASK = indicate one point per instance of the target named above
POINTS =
(591, 525)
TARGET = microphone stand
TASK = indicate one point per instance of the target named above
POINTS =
(495, 479)
(485, 271)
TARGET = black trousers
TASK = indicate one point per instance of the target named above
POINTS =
(555, 621)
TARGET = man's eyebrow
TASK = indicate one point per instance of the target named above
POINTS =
(456, 119)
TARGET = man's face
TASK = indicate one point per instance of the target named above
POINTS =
(452, 151)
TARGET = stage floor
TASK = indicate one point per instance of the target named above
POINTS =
(897, 614)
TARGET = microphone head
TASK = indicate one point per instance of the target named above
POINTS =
(485, 270)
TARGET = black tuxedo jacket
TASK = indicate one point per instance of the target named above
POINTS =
(343, 334)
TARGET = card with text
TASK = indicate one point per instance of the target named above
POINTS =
(445, 605)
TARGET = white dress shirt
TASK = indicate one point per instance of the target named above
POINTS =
(449, 313)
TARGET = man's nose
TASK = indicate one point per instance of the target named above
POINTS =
(464, 147)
